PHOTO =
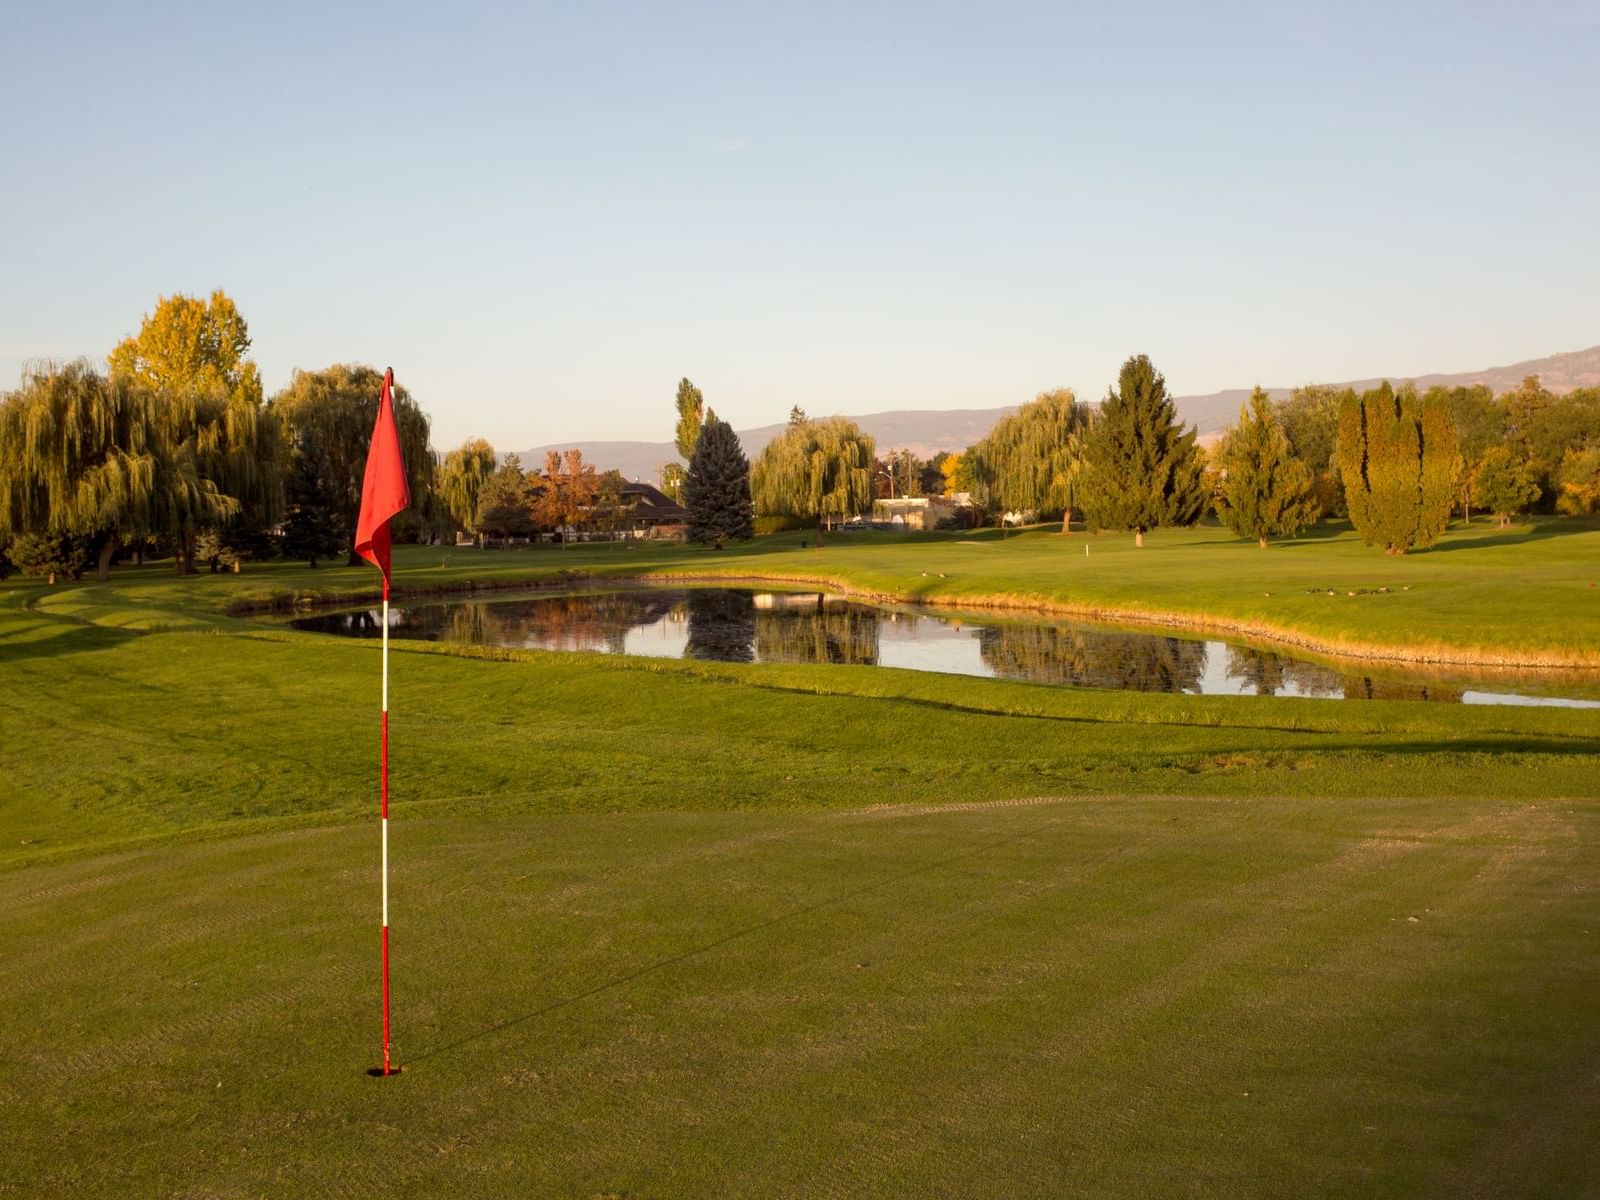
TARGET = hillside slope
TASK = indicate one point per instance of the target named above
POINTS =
(927, 431)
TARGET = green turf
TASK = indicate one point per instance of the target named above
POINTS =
(1484, 594)
(1089, 997)
(672, 929)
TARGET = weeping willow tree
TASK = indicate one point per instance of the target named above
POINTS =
(1032, 459)
(461, 478)
(818, 470)
(210, 422)
(227, 443)
(335, 409)
(97, 459)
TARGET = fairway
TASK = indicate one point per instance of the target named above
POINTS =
(1083, 996)
(683, 929)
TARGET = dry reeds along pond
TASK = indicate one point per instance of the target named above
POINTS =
(750, 625)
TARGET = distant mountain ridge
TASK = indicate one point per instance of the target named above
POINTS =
(926, 431)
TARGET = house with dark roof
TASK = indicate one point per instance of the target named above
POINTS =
(649, 512)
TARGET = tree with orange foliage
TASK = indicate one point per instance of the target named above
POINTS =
(565, 492)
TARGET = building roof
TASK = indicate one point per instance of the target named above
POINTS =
(645, 500)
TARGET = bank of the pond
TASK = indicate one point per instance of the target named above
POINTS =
(1485, 598)
(733, 621)
(1420, 653)
(1349, 649)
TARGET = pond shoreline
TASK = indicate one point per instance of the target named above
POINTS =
(1423, 654)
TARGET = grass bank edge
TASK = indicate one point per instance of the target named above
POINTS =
(281, 600)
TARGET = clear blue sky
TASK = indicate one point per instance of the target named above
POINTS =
(543, 218)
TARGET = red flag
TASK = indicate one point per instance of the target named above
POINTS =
(384, 491)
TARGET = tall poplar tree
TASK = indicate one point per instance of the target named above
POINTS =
(1266, 490)
(716, 491)
(1399, 461)
(691, 415)
(1141, 470)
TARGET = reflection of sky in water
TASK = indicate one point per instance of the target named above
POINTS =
(1476, 697)
(927, 644)
(665, 638)
(1215, 679)
(738, 625)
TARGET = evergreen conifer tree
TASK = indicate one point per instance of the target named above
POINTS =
(1266, 489)
(1398, 460)
(1141, 468)
(311, 528)
(505, 502)
(716, 490)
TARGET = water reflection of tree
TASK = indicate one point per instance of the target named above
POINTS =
(597, 621)
(1270, 673)
(828, 633)
(474, 624)
(722, 625)
(1364, 687)
(1096, 658)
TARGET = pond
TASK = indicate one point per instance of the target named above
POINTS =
(727, 624)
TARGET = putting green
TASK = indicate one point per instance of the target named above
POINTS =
(1084, 996)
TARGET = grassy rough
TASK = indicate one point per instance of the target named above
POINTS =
(677, 929)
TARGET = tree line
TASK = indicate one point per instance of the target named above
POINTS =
(1393, 461)
(173, 449)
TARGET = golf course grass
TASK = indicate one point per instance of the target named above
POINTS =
(673, 929)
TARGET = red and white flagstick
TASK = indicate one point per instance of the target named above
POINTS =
(384, 492)
(383, 821)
